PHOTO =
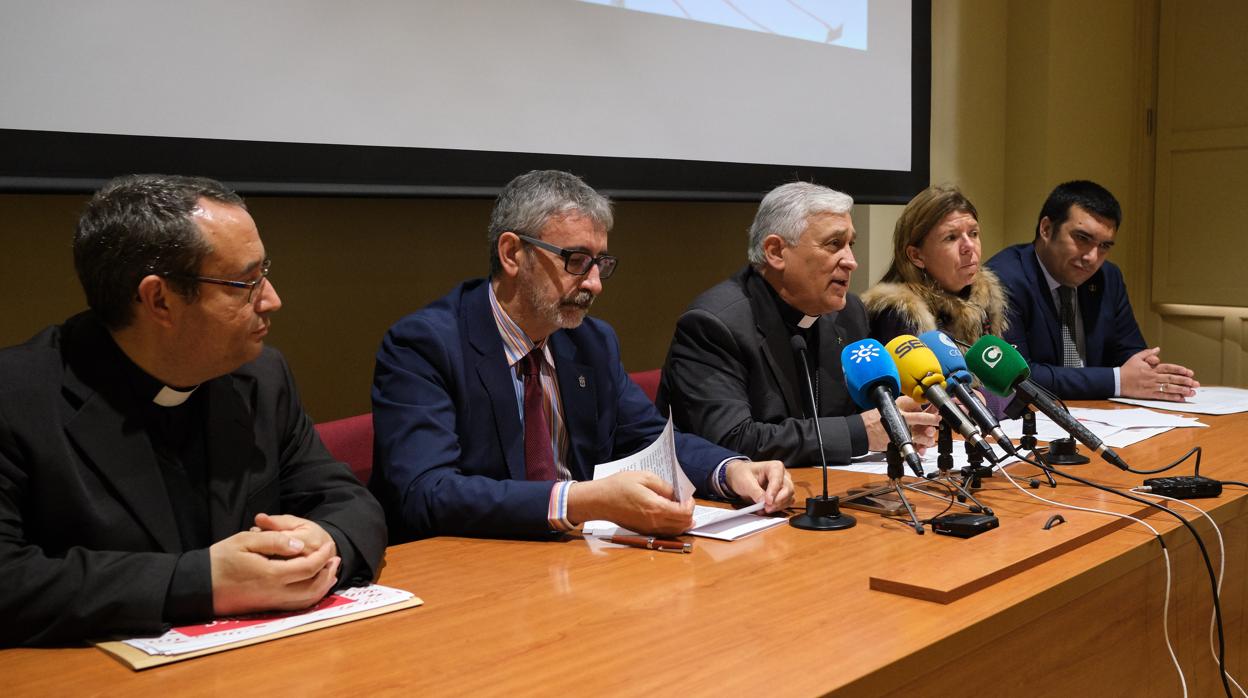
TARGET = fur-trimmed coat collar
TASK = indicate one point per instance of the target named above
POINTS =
(965, 316)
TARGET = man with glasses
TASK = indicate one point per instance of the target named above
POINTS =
(156, 466)
(492, 406)
(1069, 313)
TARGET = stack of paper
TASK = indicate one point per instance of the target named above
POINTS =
(711, 522)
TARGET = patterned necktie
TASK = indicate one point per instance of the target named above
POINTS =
(539, 459)
(1070, 347)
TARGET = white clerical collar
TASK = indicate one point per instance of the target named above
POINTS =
(807, 321)
(168, 397)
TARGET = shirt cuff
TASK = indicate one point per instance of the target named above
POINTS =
(557, 511)
(1117, 382)
(718, 482)
(189, 599)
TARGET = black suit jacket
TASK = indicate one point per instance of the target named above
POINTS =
(731, 377)
(88, 540)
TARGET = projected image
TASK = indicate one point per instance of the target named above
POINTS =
(835, 22)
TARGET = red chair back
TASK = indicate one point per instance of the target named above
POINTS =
(648, 381)
(350, 440)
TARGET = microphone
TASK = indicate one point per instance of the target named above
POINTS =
(922, 380)
(1005, 372)
(958, 379)
(822, 513)
(872, 379)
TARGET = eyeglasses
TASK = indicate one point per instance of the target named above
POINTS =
(251, 286)
(576, 262)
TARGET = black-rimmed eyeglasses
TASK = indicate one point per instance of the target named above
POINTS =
(251, 286)
(576, 262)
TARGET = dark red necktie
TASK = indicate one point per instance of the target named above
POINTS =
(539, 460)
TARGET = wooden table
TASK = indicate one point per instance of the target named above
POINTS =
(785, 612)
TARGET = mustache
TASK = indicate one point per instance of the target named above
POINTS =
(582, 299)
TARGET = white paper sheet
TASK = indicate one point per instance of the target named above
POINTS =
(1215, 400)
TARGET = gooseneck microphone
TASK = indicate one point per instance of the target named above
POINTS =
(872, 379)
(823, 513)
(922, 379)
(958, 380)
(1005, 372)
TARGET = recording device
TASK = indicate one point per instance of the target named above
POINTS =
(1004, 371)
(922, 380)
(823, 513)
(1184, 487)
(964, 525)
(872, 379)
(958, 380)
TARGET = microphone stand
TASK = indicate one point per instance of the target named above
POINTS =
(823, 513)
(944, 474)
(1029, 443)
(896, 470)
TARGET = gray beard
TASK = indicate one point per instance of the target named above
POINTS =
(565, 313)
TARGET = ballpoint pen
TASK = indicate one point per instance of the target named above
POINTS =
(652, 543)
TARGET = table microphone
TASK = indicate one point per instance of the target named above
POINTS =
(823, 513)
(922, 380)
(1005, 372)
(958, 379)
(872, 379)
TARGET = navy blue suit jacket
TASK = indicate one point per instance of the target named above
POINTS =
(1111, 334)
(449, 446)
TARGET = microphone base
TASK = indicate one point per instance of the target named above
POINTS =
(823, 514)
(1064, 452)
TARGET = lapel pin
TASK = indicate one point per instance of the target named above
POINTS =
(580, 380)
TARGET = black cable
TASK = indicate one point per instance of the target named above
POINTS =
(1162, 469)
(1237, 483)
(1213, 578)
(952, 494)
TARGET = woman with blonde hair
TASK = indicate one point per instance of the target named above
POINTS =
(936, 280)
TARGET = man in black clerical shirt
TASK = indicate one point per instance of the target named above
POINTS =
(156, 466)
(731, 375)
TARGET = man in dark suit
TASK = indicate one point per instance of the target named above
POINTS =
(492, 406)
(731, 374)
(1069, 312)
(156, 466)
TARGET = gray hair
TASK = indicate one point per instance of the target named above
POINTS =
(785, 210)
(529, 201)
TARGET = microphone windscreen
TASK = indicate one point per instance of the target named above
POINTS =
(952, 363)
(866, 365)
(798, 342)
(998, 365)
(917, 365)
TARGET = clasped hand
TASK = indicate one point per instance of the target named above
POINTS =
(282, 563)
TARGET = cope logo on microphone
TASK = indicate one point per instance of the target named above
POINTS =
(992, 356)
(947, 341)
(906, 347)
(866, 352)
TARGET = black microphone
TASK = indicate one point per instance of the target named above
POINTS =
(958, 380)
(873, 382)
(823, 513)
(1005, 372)
(921, 379)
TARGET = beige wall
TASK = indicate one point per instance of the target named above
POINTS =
(1026, 93)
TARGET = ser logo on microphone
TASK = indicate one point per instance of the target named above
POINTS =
(865, 352)
(906, 347)
(992, 356)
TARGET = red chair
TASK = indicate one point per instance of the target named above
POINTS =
(350, 440)
(648, 381)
